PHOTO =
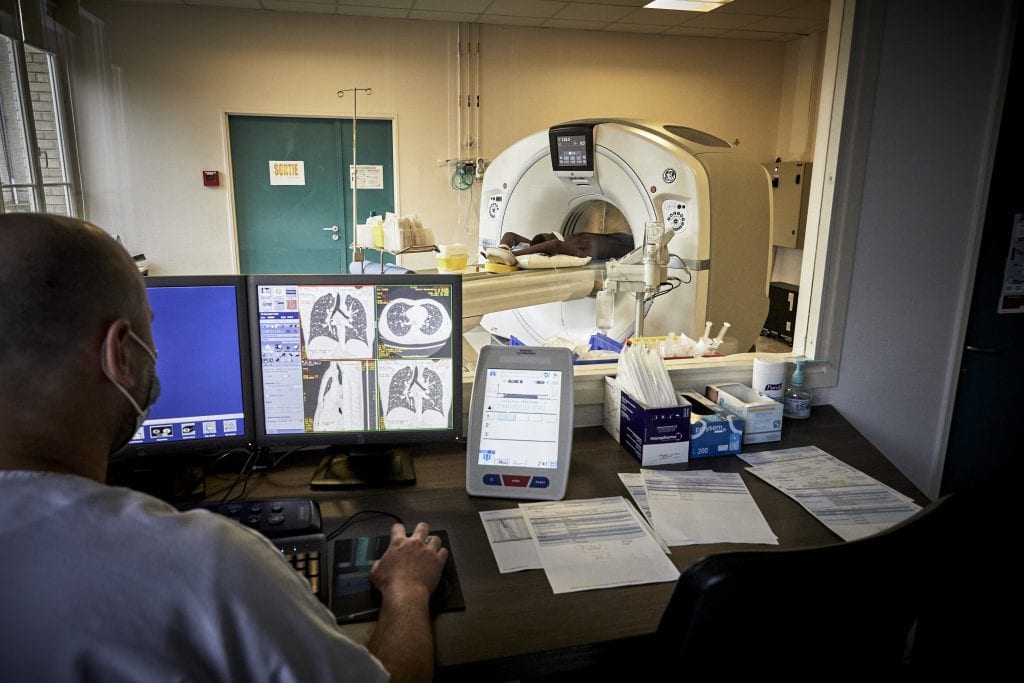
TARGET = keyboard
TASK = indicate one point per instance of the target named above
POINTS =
(308, 556)
(293, 525)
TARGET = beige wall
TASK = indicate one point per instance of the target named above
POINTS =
(533, 78)
(179, 70)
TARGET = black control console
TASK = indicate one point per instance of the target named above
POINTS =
(272, 518)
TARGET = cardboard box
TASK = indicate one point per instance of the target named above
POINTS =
(713, 429)
(762, 415)
(654, 436)
(610, 410)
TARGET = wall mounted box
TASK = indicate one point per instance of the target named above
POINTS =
(762, 415)
(781, 321)
(791, 182)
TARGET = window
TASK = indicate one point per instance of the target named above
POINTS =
(34, 168)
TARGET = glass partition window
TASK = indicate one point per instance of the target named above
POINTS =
(34, 171)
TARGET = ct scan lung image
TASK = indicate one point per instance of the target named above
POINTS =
(415, 326)
(415, 393)
(337, 322)
(339, 393)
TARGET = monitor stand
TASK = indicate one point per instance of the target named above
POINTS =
(364, 467)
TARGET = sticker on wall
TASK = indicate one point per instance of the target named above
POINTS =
(370, 177)
(287, 172)
(1011, 299)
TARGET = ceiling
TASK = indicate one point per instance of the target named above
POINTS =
(771, 20)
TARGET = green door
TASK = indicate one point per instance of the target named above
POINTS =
(291, 186)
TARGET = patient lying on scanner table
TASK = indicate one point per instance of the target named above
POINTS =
(591, 245)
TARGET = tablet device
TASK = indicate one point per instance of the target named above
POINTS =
(520, 423)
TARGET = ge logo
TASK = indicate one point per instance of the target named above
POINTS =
(669, 176)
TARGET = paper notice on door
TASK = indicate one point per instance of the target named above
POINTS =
(1011, 299)
(287, 172)
(370, 177)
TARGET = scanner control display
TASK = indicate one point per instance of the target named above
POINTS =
(520, 419)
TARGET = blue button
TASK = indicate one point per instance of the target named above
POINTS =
(539, 483)
(492, 479)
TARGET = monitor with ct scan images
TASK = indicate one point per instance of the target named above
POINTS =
(361, 366)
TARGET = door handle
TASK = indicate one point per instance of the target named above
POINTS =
(333, 229)
(984, 350)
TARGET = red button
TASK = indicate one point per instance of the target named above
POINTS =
(515, 480)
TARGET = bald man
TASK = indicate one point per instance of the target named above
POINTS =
(107, 584)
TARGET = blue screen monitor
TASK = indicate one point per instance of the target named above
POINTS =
(201, 336)
(361, 365)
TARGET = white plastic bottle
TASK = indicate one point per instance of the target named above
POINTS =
(796, 401)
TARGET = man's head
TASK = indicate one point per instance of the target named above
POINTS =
(76, 325)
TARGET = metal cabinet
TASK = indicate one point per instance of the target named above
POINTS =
(790, 183)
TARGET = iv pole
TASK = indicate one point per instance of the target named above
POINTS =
(355, 166)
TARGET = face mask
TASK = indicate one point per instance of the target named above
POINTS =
(141, 412)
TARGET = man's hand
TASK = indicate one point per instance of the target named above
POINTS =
(406, 575)
(411, 565)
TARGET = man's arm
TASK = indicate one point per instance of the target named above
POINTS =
(406, 575)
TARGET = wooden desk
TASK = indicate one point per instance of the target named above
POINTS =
(514, 627)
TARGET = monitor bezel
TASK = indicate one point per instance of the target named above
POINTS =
(397, 438)
(586, 131)
(215, 445)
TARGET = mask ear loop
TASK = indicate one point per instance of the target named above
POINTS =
(106, 372)
(145, 347)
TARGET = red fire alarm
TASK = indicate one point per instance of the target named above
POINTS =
(211, 178)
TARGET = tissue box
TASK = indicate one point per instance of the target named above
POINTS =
(713, 429)
(762, 415)
(654, 436)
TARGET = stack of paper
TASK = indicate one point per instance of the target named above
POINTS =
(700, 506)
(847, 501)
(580, 544)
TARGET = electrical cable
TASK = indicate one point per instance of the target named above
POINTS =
(247, 467)
(462, 179)
(348, 522)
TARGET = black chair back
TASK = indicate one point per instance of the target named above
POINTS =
(901, 596)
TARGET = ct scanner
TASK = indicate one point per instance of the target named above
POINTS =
(611, 175)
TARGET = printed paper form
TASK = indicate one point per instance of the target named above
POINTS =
(844, 499)
(595, 543)
(511, 540)
(791, 454)
(634, 483)
(704, 507)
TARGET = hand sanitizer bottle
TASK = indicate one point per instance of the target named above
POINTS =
(796, 401)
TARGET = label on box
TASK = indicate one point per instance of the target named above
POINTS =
(761, 414)
(654, 436)
(713, 429)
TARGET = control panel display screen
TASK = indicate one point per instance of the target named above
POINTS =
(572, 151)
(520, 419)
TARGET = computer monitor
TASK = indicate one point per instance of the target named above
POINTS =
(362, 365)
(201, 337)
